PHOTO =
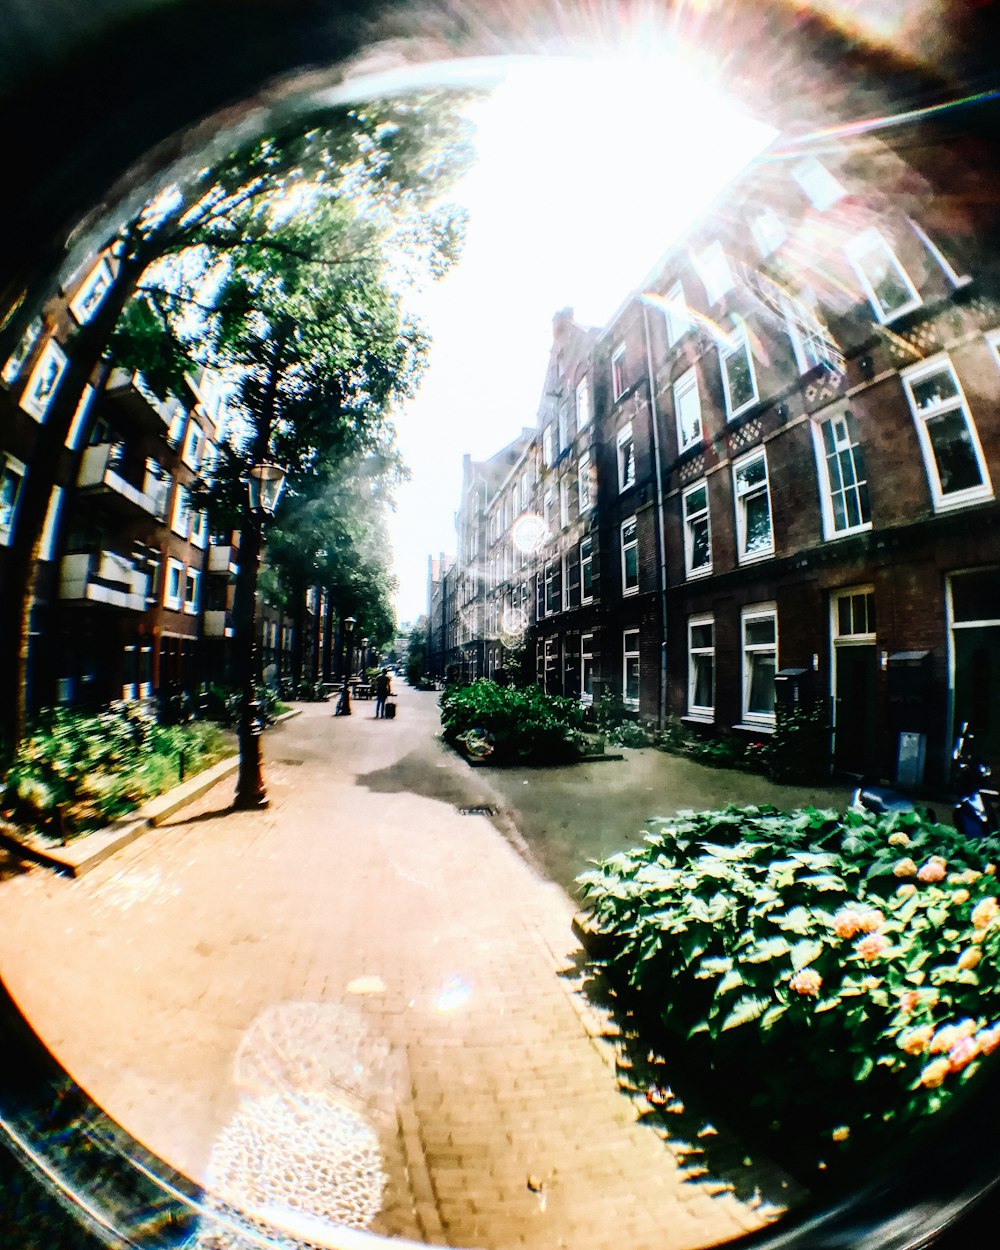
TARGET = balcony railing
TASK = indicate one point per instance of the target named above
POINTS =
(100, 473)
(223, 558)
(140, 400)
(104, 576)
(217, 623)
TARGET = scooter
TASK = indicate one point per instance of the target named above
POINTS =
(977, 812)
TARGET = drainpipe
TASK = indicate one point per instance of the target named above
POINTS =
(655, 423)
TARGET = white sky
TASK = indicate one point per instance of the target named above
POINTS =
(585, 174)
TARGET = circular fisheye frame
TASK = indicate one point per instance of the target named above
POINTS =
(499, 629)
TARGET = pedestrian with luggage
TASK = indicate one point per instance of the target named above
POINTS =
(383, 689)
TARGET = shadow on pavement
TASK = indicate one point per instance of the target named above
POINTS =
(422, 774)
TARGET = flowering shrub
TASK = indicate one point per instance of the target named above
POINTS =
(510, 723)
(859, 950)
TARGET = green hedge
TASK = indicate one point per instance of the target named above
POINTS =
(837, 972)
(508, 724)
(75, 772)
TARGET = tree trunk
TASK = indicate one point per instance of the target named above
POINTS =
(298, 614)
(328, 637)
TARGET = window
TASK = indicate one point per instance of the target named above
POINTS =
(630, 556)
(547, 513)
(768, 231)
(618, 372)
(697, 531)
(43, 380)
(513, 501)
(191, 580)
(883, 279)
(810, 344)
(547, 450)
(587, 668)
(626, 458)
(172, 585)
(565, 434)
(738, 379)
(176, 428)
(854, 614)
(586, 569)
(15, 363)
(583, 481)
(199, 529)
(949, 270)
(571, 578)
(701, 667)
(952, 455)
(974, 659)
(47, 548)
(818, 183)
(843, 484)
(75, 437)
(630, 668)
(713, 268)
(563, 501)
(687, 409)
(583, 403)
(194, 445)
(760, 662)
(87, 300)
(754, 533)
(675, 311)
(553, 587)
(180, 521)
(11, 476)
(524, 491)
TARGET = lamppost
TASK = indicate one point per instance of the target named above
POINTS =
(344, 705)
(264, 485)
(364, 657)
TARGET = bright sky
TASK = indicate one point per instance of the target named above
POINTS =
(585, 174)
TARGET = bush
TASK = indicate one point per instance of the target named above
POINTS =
(799, 749)
(718, 750)
(510, 724)
(77, 772)
(617, 723)
(855, 950)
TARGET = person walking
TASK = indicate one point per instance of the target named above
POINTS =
(383, 688)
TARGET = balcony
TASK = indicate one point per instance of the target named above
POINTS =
(104, 576)
(140, 401)
(217, 624)
(100, 474)
(223, 558)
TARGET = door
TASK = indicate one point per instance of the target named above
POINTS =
(855, 681)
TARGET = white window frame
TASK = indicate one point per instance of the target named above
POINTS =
(583, 412)
(624, 547)
(181, 514)
(547, 509)
(33, 400)
(736, 342)
(631, 653)
(174, 572)
(743, 556)
(16, 361)
(954, 277)
(586, 653)
(698, 711)
(677, 323)
(826, 490)
(684, 387)
(96, 283)
(954, 499)
(715, 271)
(850, 592)
(548, 455)
(525, 492)
(588, 562)
(855, 251)
(806, 333)
(768, 230)
(50, 530)
(583, 483)
(820, 187)
(18, 469)
(199, 528)
(194, 445)
(192, 578)
(563, 502)
(625, 437)
(759, 611)
(618, 372)
(703, 570)
(552, 568)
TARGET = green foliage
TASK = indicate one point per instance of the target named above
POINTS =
(718, 749)
(853, 949)
(799, 749)
(616, 722)
(76, 772)
(508, 723)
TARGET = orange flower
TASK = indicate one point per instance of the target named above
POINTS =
(872, 946)
(845, 923)
(969, 958)
(841, 1134)
(908, 1000)
(806, 982)
(984, 912)
(960, 896)
(915, 1041)
(899, 838)
(989, 1040)
(944, 1039)
(905, 868)
(931, 871)
(904, 891)
(934, 1073)
(962, 1053)
(870, 921)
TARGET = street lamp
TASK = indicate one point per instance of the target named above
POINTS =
(264, 485)
(364, 656)
(344, 705)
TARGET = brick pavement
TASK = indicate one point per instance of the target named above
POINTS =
(350, 1005)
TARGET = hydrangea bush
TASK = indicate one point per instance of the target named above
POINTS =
(845, 966)
(508, 723)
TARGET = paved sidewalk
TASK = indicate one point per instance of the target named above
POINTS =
(350, 1006)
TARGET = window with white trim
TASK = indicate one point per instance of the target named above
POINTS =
(564, 430)
(675, 311)
(739, 382)
(687, 410)
(12, 473)
(525, 491)
(553, 587)
(768, 230)
(587, 668)
(701, 667)
(583, 483)
(854, 614)
(759, 635)
(630, 556)
(583, 403)
(947, 268)
(563, 501)
(630, 668)
(15, 362)
(697, 531)
(586, 570)
(626, 458)
(843, 483)
(173, 585)
(513, 502)
(43, 380)
(953, 458)
(810, 341)
(199, 528)
(194, 446)
(548, 454)
(754, 531)
(618, 372)
(87, 300)
(547, 513)
(47, 547)
(817, 183)
(192, 580)
(714, 270)
(180, 519)
(883, 279)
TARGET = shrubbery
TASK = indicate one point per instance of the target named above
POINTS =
(618, 725)
(839, 973)
(77, 772)
(511, 724)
